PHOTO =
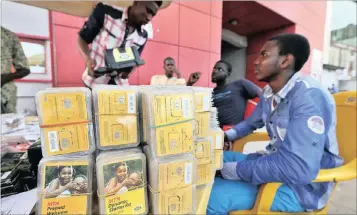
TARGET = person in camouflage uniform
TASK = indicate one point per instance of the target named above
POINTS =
(11, 54)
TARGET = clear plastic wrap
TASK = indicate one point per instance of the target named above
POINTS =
(217, 136)
(142, 113)
(205, 173)
(65, 116)
(117, 116)
(122, 182)
(200, 192)
(65, 185)
(204, 150)
(172, 183)
(169, 120)
(203, 99)
(218, 159)
(202, 128)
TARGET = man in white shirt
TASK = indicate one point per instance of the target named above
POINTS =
(169, 79)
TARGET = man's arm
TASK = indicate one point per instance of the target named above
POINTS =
(298, 159)
(19, 61)
(251, 90)
(253, 122)
(89, 31)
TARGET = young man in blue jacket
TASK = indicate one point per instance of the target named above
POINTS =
(300, 117)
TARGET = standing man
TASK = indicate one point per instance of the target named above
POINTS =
(111, 27)
(231, 99)
(301, 121)
(11, 54)
(169, 79)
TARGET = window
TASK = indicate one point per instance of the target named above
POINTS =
(35, 51)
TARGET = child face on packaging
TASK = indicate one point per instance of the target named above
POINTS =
(80, 185)
(134, 179)
(65, 175)
(121, 173)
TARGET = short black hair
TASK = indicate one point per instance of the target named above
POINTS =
(228, 65)
(159, 3)
(168, 58)
(294, 44)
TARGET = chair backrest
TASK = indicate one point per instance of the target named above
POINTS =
(346, 124)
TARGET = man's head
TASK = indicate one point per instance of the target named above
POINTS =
(169, 66)
(142, 12)
(221, 71)
(285, 52)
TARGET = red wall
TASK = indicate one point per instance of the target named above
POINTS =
(190, 33)
(309, 17)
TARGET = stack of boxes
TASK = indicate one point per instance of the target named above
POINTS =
(170, 146)
(67, 141)
(180, 147)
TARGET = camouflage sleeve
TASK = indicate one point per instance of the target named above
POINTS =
(18, 55)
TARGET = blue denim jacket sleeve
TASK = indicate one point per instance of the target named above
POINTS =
(297, 161)
(253, 122)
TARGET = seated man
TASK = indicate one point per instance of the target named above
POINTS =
(169, 79)
(230, 99)
(111, 27)
(301, 120)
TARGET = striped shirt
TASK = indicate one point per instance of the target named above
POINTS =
(107, 28)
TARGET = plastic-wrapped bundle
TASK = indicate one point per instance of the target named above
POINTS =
(65, 116)
(169, 120)
(116, 113)
(205, 173)
(202, 195)
(65, 185)
(172, 183)
(203, 99)
(203, 105)
(142, 113)
(121, 181)
(204, 151)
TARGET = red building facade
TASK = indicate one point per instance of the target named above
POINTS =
(191, 34)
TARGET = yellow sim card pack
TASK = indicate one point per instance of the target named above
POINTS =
(202, 101)
(117, 116)
(65, 117)
(73, 177)
(121, 180)
(205, 173)
(204, 151)
(202, 120)
(218, 159)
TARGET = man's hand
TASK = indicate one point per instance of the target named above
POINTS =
(177, 72)
(194, 77)
(90, 63)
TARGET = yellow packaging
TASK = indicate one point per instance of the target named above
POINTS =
(203, 151)
(117, 102)
(173, 139)
(175, 175)
(66, 139)
(74, 172)
(201, 196)
(218, 159)
(202, 101)
(144, 136)
(217, 137)
(205, 173)
(202, 120)
(116, 130)
(121, 178)
(178, 201)
(65, 117)
(117, 116)
(172, 108)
